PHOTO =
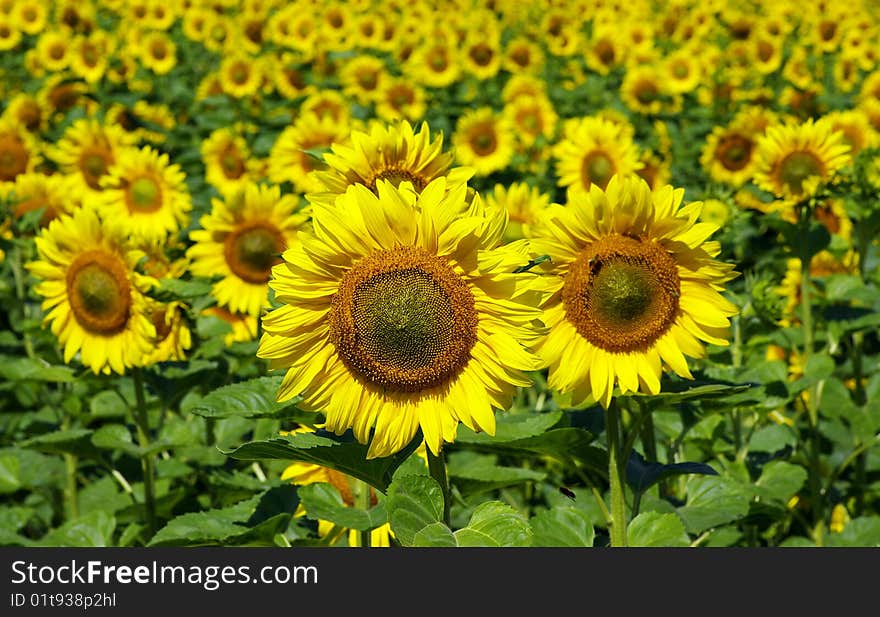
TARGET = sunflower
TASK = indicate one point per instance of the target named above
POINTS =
(400, 313)
(292, 157)
(229, 166)
(19, 153)
(525, 205)
(856, 128)
(241, 240)
(532, 117)
(145, 194)
(24, 109)
(400, 100)
(793, 157)
(605, 50)
(10, 34)
(643, 92)
(481, 54)
(290, 75)
(53, 50)
(239, 76)
(35, 191)
(362, 78)
(434, 64)
(86, 152)
(89, 56)
(392, 152)
(483, 140)
(158, 52)
(592, 151)
(522, 55)
(728, 155)
(635, 287)
(30, 16)
(94, 297)
(682, 71)
(655, 170)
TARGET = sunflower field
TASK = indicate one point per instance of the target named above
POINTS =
(448, 273)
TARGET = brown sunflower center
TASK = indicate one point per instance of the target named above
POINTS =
(252, 250)
(231, 162)
(396, 176)
(735, 152)
(99, 292)
(403, 320)
(797, 167)
(605, 52)
(483, 140)
(621, 294)
(161, 323)
(144, 195)
(13, 157)
(93, 164)
(646, 92)
(597, 169)
(481, 54)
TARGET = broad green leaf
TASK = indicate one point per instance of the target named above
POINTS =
(703, 392)
(474, 473)
(115, 437)
(510, 427)
(348, 457)
(413, 503)
(780, 481)
(73, 441)
(859, 532)
(713, 501)
(108, 404)
(818, 368)
(495, 524)
(27, 369)
(771, 438)
(91, 530)
(435, 535)
(653, 529)
(254, 398)
(9, 476)
(322, 501)
(562, 526)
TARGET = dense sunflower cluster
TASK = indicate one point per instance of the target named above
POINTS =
(367, 186)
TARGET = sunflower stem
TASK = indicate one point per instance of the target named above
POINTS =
(616, 469)
(21, 294)
(71, 496)
(364, 501)
(143, 429)
(437, 469)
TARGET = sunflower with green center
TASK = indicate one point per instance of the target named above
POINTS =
(794, 158)
(240, 240)
(400, 312)
(392, 152)
(94, 297)
(635, 287)
(145, 194)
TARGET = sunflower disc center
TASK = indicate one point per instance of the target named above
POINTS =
(621, 294)
(145, 195)
(403, 320)
(13, 158)
(99, 292)
(396, 176)
(251, 251)
(735, 152)
(93, 166)
(597, 169)
(797, 167)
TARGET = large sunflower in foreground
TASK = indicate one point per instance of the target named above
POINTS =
(635, 287)
(240, 240)
(94, 298)
(399, 313)
(793, 158)
(392, 152)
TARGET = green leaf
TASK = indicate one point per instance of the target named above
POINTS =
(475, 473)
(27, 369)
(780, 481)
(322, 501)
(347, 457)
(511, 427)
(73, 441)
(771, 438)
(818, 368)
(9, 476)
(115, 437)
(435, 535)
(108, 404)
(254, 398)
(653, 529)
(713, 501)
(707, 391)
(413, 503)
(562, 526)
(859, 532)
(495, 524)
(91, 530)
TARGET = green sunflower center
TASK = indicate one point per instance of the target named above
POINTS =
(403, 320)
(252, 250)
(99, 292)
(144, 195)
(94, 165)
(232, 163)
(597, 169)
(797, 167)
(621, 294)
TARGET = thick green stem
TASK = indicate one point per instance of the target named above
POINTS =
(437, 469)
(143, 430)
(616, 470)
(21, 295)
